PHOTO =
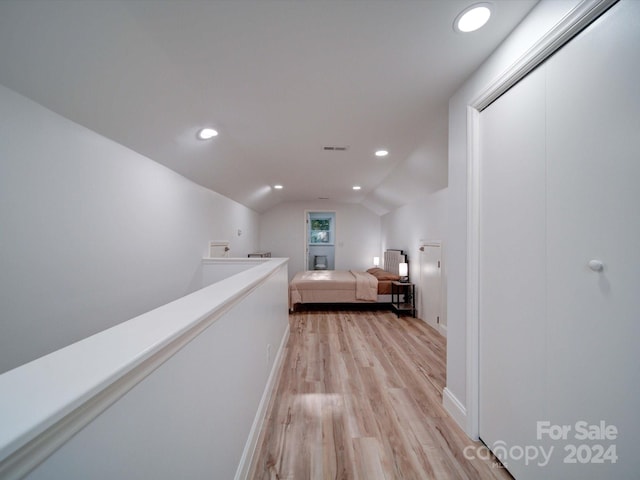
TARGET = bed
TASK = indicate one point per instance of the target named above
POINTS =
(346, 286)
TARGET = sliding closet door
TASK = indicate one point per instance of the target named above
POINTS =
(560, 260)
(593, 189)
(512, 267)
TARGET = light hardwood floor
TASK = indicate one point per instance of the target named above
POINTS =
(360, 397)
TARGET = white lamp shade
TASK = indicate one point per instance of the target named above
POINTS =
(403, 269)
(376, 261)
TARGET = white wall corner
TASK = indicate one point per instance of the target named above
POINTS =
(443, 330)
(455, 408)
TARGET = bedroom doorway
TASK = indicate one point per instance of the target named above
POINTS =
(320, 240)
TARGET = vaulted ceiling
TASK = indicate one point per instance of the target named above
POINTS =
(278, 79)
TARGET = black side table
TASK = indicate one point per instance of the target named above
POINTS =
(403, 298)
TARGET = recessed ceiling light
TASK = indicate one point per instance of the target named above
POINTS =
(382, 153)
(472, 18)
(278, 187)
(357, 187)
(335, 148)
(207, 133)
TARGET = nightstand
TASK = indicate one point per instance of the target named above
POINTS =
(403, 298)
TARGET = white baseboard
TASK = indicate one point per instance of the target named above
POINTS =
(442, 328)
(455, 408)
(432, 324)
(252, 441)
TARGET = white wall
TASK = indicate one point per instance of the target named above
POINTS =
(154, 397)
(92, 233)
(421, 220)
(282, 232)
(541, 19)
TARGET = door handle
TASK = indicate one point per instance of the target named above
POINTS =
(596, 265)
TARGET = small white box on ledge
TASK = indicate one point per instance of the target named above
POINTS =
(219, 249)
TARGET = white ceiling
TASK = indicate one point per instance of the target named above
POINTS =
(279, 79)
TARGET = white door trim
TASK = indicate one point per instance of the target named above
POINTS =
(568, 27)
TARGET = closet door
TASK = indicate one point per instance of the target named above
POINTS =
(593, 175)
(512, 330)
(560, 260)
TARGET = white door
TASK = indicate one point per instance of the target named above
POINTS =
(593, 170)
(512, 325)
(431, 284)
(320, 240)
(560, 260)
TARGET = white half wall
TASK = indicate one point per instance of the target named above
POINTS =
(92, 233)
(177, 392)
(540, 20)
(216, 269)
(282, 232)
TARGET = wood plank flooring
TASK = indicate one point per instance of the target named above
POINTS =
(360, 397)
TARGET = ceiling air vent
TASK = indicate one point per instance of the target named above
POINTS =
(335, 148)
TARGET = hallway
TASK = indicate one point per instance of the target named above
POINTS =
(360, 396)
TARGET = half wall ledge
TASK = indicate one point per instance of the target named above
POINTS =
(174, 390)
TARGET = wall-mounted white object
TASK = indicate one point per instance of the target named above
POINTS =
(218, 249)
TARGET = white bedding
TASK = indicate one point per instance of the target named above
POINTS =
(332, 286)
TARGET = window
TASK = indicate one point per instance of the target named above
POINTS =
(320, 231)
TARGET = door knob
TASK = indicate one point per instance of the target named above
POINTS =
(596, 265)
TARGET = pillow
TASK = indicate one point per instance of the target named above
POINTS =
(381, 274)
